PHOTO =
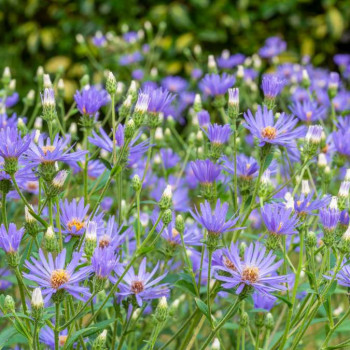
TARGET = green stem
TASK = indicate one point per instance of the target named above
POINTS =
(125, 330)
(38, 218)
(114, 152)
(3, 210)
(295, 289)
(58, 224)
(231, 311)
(56, 330)
(21, 290)
(210, 254)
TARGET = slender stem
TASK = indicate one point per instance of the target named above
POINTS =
(21, 289)
(138, 231)
(235, 166)
(231, 311)
(295, 289)
(50, 212)
(56, 330)
(333, 329)
(58, 224)
(114, 128)
(210, 254)
(257, 341)
(3, 210)
(125, 330)
(31, 211)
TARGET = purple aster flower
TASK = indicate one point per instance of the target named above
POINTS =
(141, 286)
(103, 262)
(113, 236)
(130, 58)
(11, 100)
(74, 218)
(263, 301)
(5, 121)
(10, 239)
(131, 37)
(12, 145)
(47, 151)
(99, 39)
(247, 167)
(169, 158)
(174, 83)
(105, 142)
(53, 275)
(205, 171)
(279, 220)
(138, 74)
(250, 75)
(196, 73)
(215, 222)
(216, 85)
(191, 235)
(47, 337)
(255, 270)
(341, 102)
(341, 142)
(342, 59)
(218, 134)
(160, 99)
(273, 47)
(227, 61)
(308, 111)
(344, 218)
(272, 85)
(329, 218)
(203, 118)
(90, 99)
(267, 130)
(304, 204)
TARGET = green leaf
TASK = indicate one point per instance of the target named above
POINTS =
(186, 287)
(88, 331)
(268, 160)
(202, 306)
(106, 163)
(285, 300)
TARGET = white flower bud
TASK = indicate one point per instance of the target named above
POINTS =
(334, 203)
(37, 299)
(47, 81)
(305, 188)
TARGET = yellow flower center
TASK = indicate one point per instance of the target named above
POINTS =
(48, 148)
(137, 287)
(175, 233)
(32, 185)
(58, 277)
(269, 132)
(308, 115)
(75, 223)
(250, 274)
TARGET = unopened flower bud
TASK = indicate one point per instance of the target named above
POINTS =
(244, 319)
(167, 217)
(136, 183)
(333, 85)
(305, 188)
(166, 200)
(111, 84)
(233, 103)
(37, 304)
(305, 82)
(9, 304)
(310, 239)
(216, 344)
(322, 161)
(180, 223)
(47, 81)
(50, 240)
(269, 321)
(197, 105)
(100, 341)
(161, 313)
(212, 67)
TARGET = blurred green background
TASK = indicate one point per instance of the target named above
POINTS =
(36, 32)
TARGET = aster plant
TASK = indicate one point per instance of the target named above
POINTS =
(211, 205)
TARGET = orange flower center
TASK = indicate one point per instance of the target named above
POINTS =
(62, 340)
(75, 223)
(137, 287)
(308, 115)
(250, 274)
(175, 233)
(229, 264)
(269, 132)
(48, 148)
(58, 277)
(32, 185)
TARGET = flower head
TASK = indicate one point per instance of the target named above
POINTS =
(141, 286)
(205, 171)
(273, 47)
(255, 270)
(272, 85)
(10, 239)
(12, 145)
(308, 111)
(216, 85)
(267, 130)
(103, 262)
(54, 275)
(89, 100)
(247, 167)
(160, 99)
(279, 220)
(218, 134)
(215, 221)
(174, 83)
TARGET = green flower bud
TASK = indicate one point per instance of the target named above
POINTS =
(167, 217)
(136, 183)
(244, 319)
(111, 84)
(269, 321)
(180, 223)
(129, 129)
(37, 304)
(311, 239)
(50, 240)
(162, 310)
(84, 81)
(100, 341)
(9, 304)
(166, 200)
(11, 165)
